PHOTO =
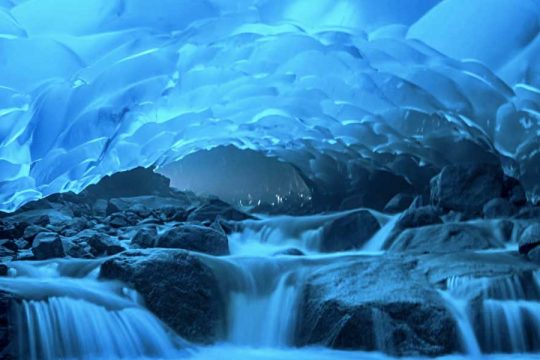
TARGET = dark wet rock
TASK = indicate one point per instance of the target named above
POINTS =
(289, 252)
(529, 212)
(9, 244)
(145, 238)
(77, 249)
(103, 244)
(6, 254)
(196, 238)
(47, 245)
(3, 269)
(376, 304)
(120, 219)
(534, 255)
(418, 217)
(350, 231)
(75, 226)
(446, 238)
(530, 238)
(467, 188)
(135, 182)
(31, 231)
(498, 208)
(514, 192)
(213, 208)
(414, 217)
(399, 203)
(176, 286)
(12, 230)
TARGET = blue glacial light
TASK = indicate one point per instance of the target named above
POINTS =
(91, 87)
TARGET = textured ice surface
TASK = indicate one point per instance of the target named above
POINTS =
(91, 87)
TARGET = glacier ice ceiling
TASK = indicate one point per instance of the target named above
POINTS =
(339, 89)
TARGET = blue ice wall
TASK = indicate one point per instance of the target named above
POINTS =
(91, 87)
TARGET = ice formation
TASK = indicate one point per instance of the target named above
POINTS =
(334, 87)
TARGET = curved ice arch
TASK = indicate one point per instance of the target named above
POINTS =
(131, 85)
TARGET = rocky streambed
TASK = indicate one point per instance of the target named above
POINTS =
(452, 273)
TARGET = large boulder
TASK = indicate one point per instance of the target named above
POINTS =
(530, 238)
(467, 188)
(196, 238)
(375, 304)
(349, 231)
(176, 286)
(145, 238)
(136, 182)
(102, 244)
(48, 245)
(446, 238)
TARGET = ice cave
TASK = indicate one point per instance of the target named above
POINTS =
(269, 179)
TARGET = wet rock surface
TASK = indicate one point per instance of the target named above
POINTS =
(376, 304)
(176, 286)
(349, 232)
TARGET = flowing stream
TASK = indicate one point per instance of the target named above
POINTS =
(67, 313)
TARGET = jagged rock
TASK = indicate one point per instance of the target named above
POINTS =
(120, 219)
(418, 217)
(31, 231)
(376, 304)
(212, 208)
(514, 192)
(145, 238)
(349, 231)
(47, 245)
(12, 230)
(196, 238)
(103, 244)
(176, 286)
(530, 238)
(75, 226)
(467, 188)
(445, 238)
(135, 182)
(498, 208)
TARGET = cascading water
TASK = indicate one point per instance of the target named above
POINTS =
(65, 313)
(262, 303)
(504, 312)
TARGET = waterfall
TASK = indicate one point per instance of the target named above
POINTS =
(459, 310)
(61, 327)
(377, 242)
(60, 317)
(262, 298)
(498, 315)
